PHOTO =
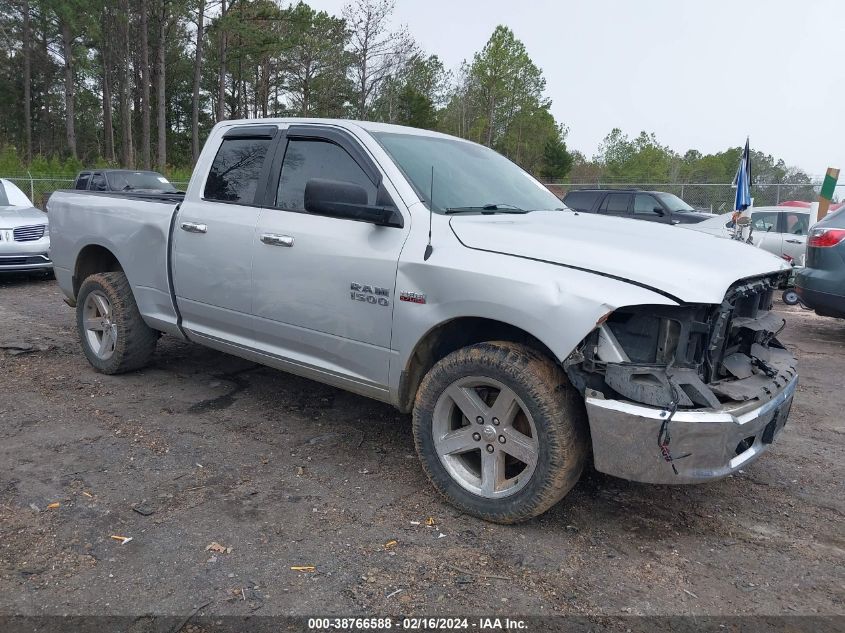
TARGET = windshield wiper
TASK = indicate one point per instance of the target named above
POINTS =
(487, 209)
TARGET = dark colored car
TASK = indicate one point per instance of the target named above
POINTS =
(654, 206)
(821, 283)
(123, 180)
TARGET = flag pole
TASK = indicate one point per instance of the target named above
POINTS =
(826, 193)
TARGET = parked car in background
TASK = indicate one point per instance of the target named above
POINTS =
(123, 180)
(780, 230)
(653, 206)
(24, 233)
(821, 283)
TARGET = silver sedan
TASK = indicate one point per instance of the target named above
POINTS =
(24, 232)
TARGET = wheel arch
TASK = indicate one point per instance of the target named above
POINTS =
(451, 335)
(93, 259)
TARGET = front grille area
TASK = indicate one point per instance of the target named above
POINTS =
(743, 319)
(29, 233)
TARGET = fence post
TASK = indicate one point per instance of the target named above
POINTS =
(31, 188)
(777, 195)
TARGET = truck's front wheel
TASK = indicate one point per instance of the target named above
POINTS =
(114, 337)
(499, 431)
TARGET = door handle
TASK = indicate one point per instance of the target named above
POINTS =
(193, 227)
(277, 240)
(794, 242)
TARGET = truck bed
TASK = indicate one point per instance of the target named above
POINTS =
(134, 228)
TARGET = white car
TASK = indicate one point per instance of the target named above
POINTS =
(780, 230)
(24, 232)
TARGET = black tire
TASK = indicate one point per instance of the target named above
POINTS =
(557, 411)
(134, 342)
(790, 297)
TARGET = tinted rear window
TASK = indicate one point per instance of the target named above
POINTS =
(581, 200)
(234, 174)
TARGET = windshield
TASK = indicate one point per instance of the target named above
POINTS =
(674, 203)
(128, 180)
(466, 176)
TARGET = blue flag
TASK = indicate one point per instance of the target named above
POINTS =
(742, 180)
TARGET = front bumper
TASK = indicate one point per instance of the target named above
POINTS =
(25, 256)
(18, 263)
(718, 443)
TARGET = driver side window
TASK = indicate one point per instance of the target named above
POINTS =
(98, 183)
(644, 204)
(307, 159)
(765, 221)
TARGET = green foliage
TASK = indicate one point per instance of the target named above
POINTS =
(316, 62)
(292, 60)
(556, 160)
(411, 95)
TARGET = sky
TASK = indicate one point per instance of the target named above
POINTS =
(700, 74)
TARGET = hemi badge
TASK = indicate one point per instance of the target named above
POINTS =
(412, 297)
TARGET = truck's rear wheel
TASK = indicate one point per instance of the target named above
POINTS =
(114, 337)
(499, 431)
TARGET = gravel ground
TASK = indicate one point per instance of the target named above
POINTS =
(281, 472)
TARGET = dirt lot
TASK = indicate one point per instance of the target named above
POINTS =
(202, 447)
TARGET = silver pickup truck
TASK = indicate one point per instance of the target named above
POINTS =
(432, 273)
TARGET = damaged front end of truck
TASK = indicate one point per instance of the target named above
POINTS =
(682, 394)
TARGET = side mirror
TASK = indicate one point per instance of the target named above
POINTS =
(659, 211)
(346, 200)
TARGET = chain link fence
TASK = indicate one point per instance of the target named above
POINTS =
(715, 197)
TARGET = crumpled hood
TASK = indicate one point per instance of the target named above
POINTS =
(12, 217)
(691, 266)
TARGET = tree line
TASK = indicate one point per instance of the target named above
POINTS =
(643, 160)
(140, 83)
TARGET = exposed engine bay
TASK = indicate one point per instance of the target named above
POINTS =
(689, 356)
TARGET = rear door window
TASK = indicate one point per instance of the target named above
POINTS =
(581, 200)
(234, 174)
(82, 181)
(797, 223)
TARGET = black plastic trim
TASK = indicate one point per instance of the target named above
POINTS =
(259, 199)
(271, 185)
(251, 131)
(144, 197)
